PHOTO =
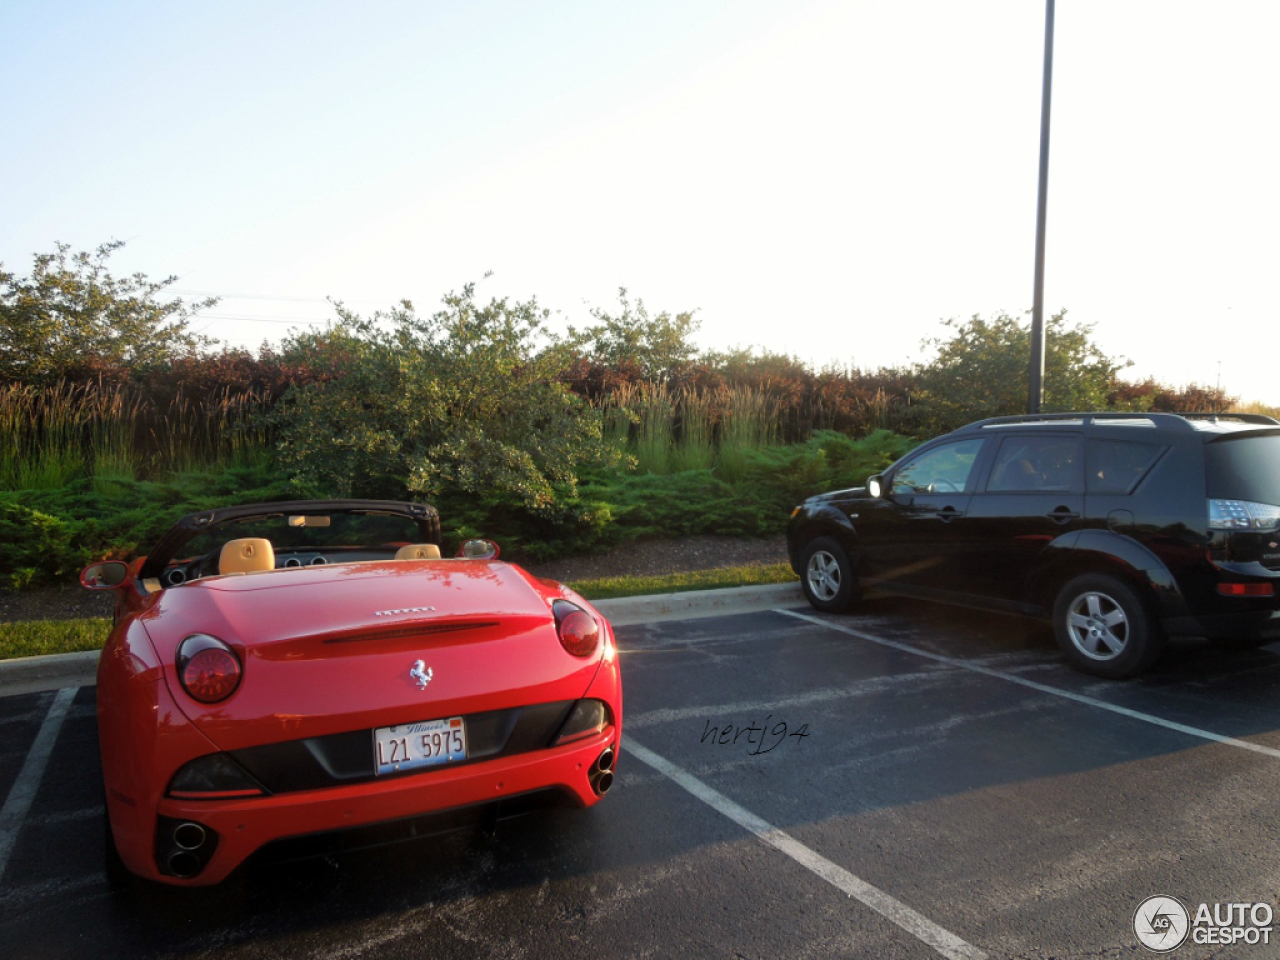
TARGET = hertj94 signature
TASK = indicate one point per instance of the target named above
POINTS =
(757, 735)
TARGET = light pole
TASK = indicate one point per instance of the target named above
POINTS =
(1035, 391)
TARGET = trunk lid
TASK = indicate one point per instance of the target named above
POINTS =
(336, 648)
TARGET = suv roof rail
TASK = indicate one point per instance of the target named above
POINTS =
(1261, 418)
(1177, 420)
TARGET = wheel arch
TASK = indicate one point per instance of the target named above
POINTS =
(1112, 554)
(826, 521)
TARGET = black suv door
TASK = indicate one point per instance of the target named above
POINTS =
(1032, 495)
(916, 535)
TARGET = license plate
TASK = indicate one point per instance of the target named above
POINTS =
(411, 745)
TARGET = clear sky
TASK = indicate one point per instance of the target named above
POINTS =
(823, 178)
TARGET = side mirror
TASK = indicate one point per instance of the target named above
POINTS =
(106, 575)
(479, 550)
(875, 486)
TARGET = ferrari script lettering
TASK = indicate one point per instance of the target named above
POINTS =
(400, 610)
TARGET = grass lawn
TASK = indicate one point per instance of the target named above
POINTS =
(35, 638)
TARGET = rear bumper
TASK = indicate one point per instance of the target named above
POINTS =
(1242, 625)
(240, 827)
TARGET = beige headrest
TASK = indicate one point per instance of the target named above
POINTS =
(249, 555)
(419, 551)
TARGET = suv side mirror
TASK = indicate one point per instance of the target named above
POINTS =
(875, 486)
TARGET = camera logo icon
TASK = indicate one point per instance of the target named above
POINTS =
(1161, 923)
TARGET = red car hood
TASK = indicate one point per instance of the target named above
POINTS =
(329, 649)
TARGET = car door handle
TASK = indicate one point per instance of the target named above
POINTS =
(949, 513)
(1062, 515)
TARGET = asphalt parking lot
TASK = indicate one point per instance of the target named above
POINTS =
(906, 782)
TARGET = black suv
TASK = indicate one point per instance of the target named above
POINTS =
(1123, 529)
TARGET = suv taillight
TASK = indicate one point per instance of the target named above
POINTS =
(1243, 515)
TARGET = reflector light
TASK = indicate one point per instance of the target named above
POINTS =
(586, 718)
(207, 668)
(578, 631)
(213, 777)
(1246, 589)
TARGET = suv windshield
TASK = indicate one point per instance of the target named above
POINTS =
(1244, 468)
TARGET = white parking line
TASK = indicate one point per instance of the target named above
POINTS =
(24, 788)
(859, 688)
(1041, 687)
(919, 926)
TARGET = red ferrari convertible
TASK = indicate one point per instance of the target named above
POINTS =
(285, 670)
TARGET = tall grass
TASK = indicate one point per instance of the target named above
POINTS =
(749, 422)
(696, 449)
(1256, 407)
(51, 436)
(113, 417)
(671, 430)
(652, 411)
(42, 428)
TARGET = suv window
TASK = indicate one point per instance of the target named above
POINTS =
(942, 469)
(1116, 466)
(1032, 464)
(1244, 468)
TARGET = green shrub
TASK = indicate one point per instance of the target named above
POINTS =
(467, 401)
(47, 536)
(778, 478)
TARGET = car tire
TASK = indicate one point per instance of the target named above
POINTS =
(1105, 628)
(826, 573)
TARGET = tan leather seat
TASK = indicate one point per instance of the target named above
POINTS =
(419, 551)
(249, 555)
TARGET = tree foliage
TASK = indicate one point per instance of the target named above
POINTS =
(71, 317)
(981, 370)
(466, 401)
(638, 345)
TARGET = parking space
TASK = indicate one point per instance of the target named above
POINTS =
(909, 781)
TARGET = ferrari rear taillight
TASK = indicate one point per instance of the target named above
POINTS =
(208, 669)
(578, 631)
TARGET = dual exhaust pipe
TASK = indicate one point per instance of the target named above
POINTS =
(601, 775)
(183, 847)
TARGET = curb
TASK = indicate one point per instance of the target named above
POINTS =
(627, 611)
(52, 672)
(36, 674)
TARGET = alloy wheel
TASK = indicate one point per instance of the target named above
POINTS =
(1098, 625)
(823, 574)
